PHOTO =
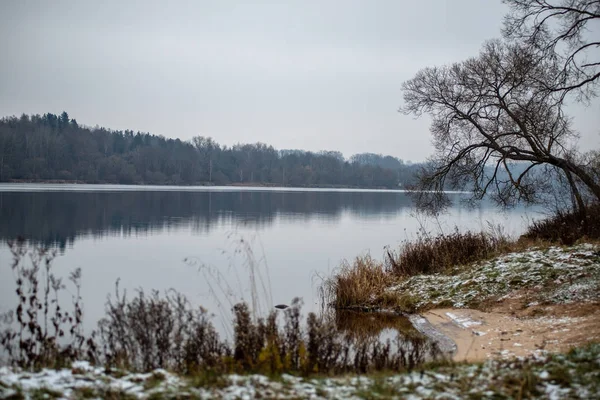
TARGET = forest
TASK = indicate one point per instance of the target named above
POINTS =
(54, 147)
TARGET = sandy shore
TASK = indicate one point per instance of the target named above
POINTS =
(499, 334)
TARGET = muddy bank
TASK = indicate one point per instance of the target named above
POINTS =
(480, 335)
(519, 304)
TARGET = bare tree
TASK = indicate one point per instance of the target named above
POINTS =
(207, 149)
(490, 117)
(562, 30)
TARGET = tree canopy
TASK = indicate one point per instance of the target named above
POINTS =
(492, 111)
(56, 147)
(558, 30)
(499, 125)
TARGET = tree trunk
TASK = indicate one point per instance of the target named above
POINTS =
(586, 179)
(581, 209)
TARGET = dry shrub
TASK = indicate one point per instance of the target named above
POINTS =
(333, 350)
(39, 332)
(150, 331)
(259, 346)
(567, 227)
(356, 285)
(430, 255)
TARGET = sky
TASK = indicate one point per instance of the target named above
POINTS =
(307, 74)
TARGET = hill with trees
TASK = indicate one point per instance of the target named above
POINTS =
(53, 147)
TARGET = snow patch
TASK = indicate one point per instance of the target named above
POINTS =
(464, 322)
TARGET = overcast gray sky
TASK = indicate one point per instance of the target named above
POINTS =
(303, 74)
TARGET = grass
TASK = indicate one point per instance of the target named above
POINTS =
(572, 375)
(567, 227)
(362, 284)
(356, 285)
(150, 331)
(430, 255)
(154, 380)
(46, 334)
(45, 393)
(84, 392)
(486, 282)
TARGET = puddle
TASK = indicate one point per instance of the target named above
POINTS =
(398, 331)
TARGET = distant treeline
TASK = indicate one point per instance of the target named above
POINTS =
(56, 147)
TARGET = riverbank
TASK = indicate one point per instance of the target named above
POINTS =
(489, 309)
(525, 325)
(572, 375)
(197, 184)
(545, 298)
(480, 336)
(528, 278)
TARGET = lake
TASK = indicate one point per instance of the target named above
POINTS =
(210, 243)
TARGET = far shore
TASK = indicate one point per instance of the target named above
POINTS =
(14, 185)
(198, 184)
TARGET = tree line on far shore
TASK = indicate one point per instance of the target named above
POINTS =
(53, 147)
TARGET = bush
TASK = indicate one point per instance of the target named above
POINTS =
(40, 333)
(567, 227)
(150, 332)
(153, 331)
(356, 285)
(439, 254)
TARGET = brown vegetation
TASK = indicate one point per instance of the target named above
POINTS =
(567, 227)
(362, 285)
(356, 284)
(40, 333)
(429, 255)
(153, 331)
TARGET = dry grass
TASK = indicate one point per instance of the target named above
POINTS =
(39, 332)
(439, 254)
(362, 284)
(356, 285)
(567, 227)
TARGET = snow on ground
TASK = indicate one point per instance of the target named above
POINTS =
(463, 322)
(556, 275)
(576, 375)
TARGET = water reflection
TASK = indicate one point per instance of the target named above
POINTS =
(142, 237)
(58, 218)
(337, 341)
(389, 328)
(363, 325)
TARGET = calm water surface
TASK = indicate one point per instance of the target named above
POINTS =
(158, 237)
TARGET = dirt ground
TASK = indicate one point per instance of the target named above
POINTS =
(511, 328)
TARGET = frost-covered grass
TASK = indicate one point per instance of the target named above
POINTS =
(555, 275)
(356, 284)
(572, 375)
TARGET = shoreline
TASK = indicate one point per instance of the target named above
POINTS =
(520, 304)
(196, 185)
(75, 185)
(479, 335)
